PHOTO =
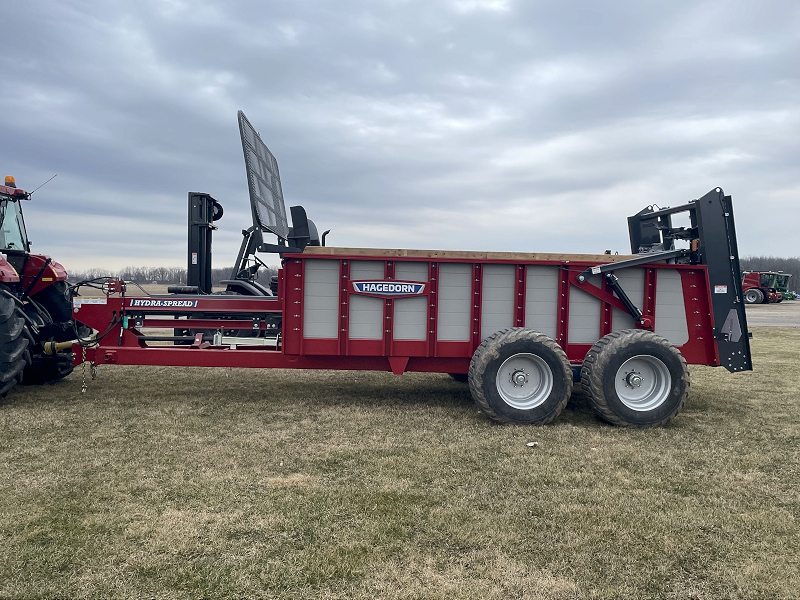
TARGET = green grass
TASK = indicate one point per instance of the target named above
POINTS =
(186, 483)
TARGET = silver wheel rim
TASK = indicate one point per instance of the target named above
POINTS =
(524, 381)
(643, 383)
(751, 296)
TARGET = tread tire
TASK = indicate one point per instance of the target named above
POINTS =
(56, 300)
(15, 341)
(606, 357)
(753, 296)
(501, 346)
(45, 368)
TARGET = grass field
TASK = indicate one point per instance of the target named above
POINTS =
(187, 483)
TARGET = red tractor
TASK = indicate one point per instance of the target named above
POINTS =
(762, 286)
(35, 304)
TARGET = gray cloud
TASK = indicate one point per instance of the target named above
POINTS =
(466, 124)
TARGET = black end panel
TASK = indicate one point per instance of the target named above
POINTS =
(203, 211)
(712, 242)
(644, 232)
(719, 251)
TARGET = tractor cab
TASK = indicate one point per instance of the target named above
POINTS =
(12, 226)
(768, 280)
(14, 244)
(782, 282)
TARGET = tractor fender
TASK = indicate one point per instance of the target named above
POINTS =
(8, 274)
(50, 273)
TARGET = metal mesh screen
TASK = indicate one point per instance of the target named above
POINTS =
(264, 181)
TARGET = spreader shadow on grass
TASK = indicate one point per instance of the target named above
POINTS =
(186, 483)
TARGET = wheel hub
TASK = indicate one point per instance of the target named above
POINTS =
(524, 381)
(634, 379)
(519, 378)
(643, 383)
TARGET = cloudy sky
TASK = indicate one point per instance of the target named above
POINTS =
(523, 125)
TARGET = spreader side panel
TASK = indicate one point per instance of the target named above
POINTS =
(497, 298)
(411, 314)
(366, 313)
(454, 303)
(320, 299)
(584, 315)
(541, 299)
(671, 308)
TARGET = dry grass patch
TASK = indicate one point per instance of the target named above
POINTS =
(182, 483)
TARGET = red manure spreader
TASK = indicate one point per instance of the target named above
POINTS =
(520, 328)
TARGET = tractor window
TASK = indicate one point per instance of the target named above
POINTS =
(12, 232)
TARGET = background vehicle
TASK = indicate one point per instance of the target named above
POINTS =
(782, 285)
(765, 286)
(35, 303)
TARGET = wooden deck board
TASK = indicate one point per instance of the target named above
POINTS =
(464, 254)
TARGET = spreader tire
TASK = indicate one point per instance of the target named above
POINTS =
(15, 340)
(520, 376)
(635, 378)
(753, 296)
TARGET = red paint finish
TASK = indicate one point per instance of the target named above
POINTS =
(388, 314)
(13, 192)
(386, 353)
(606, 310)
(433, 287)
(344, 315)
(519, 298)
(52, 272)
(701, 347)
(562, 315)
(477, 288)
(8, 274)
(290, 285)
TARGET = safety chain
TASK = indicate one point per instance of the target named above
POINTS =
(92, 368)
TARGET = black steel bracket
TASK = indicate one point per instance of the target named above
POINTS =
(633, 262)
(634, 311)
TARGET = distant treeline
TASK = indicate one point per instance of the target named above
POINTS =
(774, 263)
(168, 275)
